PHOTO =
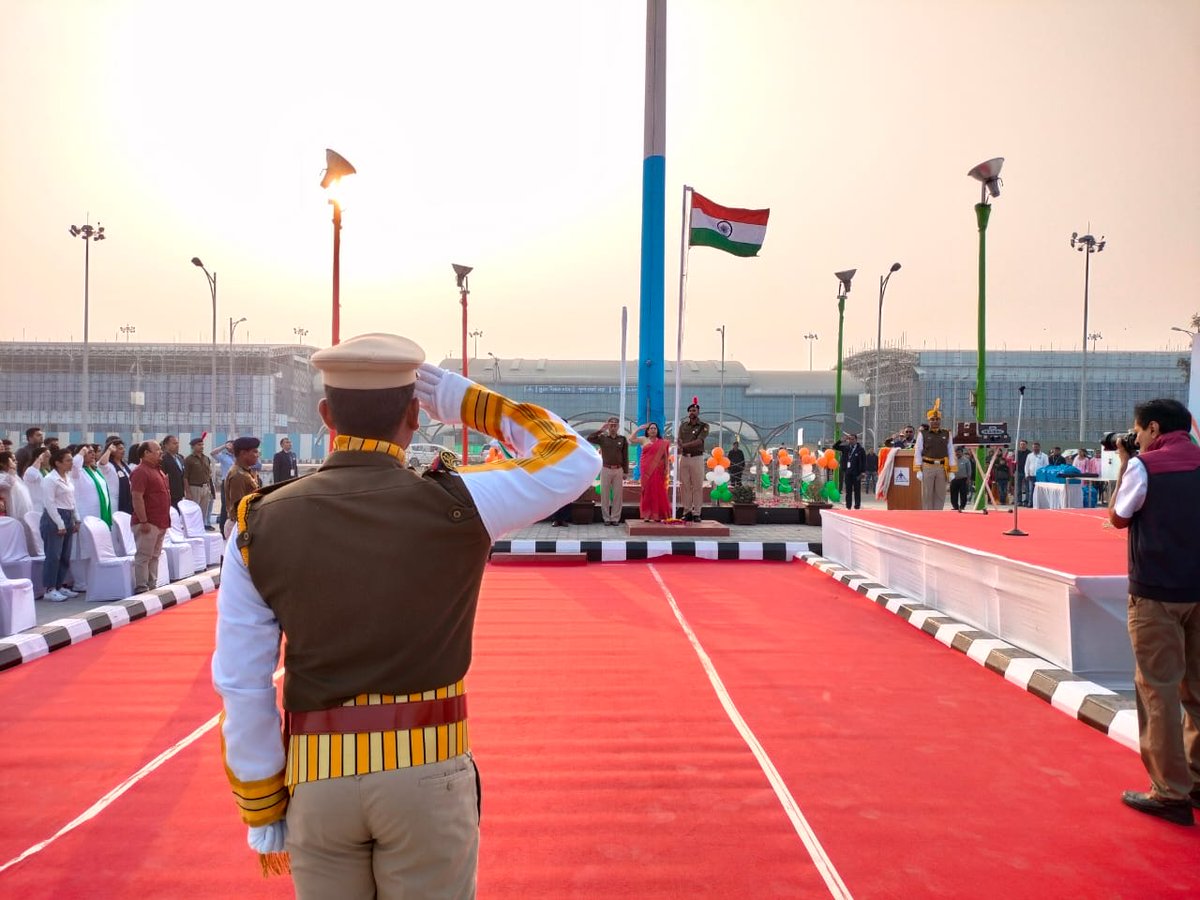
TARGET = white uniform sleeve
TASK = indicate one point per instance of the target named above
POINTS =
(1131, 493)
(49, 501)
(247, 654)
(919, 450)
(553, 463)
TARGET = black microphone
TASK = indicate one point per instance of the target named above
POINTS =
(1021, 390)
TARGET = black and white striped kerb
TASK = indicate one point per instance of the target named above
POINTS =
(1105, 710)
(41, 640)
(620, 551)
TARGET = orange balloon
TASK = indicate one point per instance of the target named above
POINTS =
(764, 456)
(785, 458)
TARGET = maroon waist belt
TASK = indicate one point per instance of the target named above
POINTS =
(382, 717)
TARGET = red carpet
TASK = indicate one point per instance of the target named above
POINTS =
(609, 766)
(1077, 541)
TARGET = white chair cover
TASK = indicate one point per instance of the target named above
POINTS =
(193, 527)
(37, 552)
(179, 536)
(14, 549)
(125, 543)
(110, 577)
(16, 605)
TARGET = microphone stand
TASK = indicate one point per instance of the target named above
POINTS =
(1016, 531)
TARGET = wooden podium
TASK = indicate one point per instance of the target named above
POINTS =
(903, 496)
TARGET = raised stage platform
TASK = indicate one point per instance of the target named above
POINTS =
(1061, 592)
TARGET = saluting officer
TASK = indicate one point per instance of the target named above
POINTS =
(372, 573)
(934, 457)
(692, 433)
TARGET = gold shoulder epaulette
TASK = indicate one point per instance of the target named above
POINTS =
(445, 461)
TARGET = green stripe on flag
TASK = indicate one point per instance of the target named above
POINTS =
(706, 237)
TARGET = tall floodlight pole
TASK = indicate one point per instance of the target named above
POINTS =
(87, 234)
(336, 168)
(843, 289)
(721, 423)
(212, 390)
(475, 335)
(232, 396)
(1087, 245)
(883, 283)
(810, 337)
(460, 275)
(988, 175)
(654, 213)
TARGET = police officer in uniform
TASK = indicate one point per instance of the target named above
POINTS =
(934, 458)
(242, 479)
(692, 434)
(372, 572)
(614, 456)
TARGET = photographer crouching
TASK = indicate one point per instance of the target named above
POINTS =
(1158, 500)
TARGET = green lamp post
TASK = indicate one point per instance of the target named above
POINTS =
(988, 175)
(843, 289)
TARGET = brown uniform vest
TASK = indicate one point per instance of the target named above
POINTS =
(373, 573)
(936, 444)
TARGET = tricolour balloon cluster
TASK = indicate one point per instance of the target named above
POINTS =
(718, 475)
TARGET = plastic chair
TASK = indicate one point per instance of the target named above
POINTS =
(177, 535)
(37, 552)
(14, 549)
(109, 576)
(16, 605)
(125, 543)
(193, 527)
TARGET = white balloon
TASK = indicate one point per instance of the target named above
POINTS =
(721, 477)
(718, 469)
(786, 473)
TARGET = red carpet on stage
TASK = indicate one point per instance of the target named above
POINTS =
(1079, 541)
(610, 766)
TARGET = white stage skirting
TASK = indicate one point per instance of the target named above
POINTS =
(1076, 622)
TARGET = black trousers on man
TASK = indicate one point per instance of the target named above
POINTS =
(960, 492)
(853, 487)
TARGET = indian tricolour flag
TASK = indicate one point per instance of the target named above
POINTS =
(737, 231)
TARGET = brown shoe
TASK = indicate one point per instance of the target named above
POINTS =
(1177, 811)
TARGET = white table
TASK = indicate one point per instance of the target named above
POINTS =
(1057, 496)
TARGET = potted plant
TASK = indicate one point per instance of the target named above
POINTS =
(745, 510)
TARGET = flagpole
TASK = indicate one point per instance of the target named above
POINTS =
(624, 332)
(683, 261)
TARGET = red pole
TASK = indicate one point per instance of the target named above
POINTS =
(464, 365)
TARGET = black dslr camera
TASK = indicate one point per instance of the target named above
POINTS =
(1126, 439)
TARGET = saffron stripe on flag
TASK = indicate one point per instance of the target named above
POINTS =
(717, 211)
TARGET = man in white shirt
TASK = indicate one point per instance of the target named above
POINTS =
(1034, 461)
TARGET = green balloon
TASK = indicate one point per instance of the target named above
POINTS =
(766, 481)
(785, 485)
(721, 492)
(830, 492)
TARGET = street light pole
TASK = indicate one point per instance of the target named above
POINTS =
(1094, 337)
(211, 277)
(988, 175)
(87, 234)
(843, 289)
(460, 275)
(232, 398)
(721, 421)
(1087, 245)
(477, 334)
(127, 330)
(883, 283)
(810, 337)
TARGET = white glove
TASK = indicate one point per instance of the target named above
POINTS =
(441, 393)
(920, 475)
(268, 838)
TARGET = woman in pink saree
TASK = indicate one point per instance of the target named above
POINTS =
(654, 467)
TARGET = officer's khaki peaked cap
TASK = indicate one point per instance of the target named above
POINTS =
(370, 362)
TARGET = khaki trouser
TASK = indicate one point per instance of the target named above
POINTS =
(1166, 648)
(933, 486)
(405, 833)
(148, 540)
(691, 483)
(201, 495)
(611, 488)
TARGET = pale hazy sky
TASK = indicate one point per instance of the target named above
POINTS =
(508, 136)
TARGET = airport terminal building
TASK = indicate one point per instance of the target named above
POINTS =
(143, 390)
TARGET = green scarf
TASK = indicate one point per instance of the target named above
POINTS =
(102, 492)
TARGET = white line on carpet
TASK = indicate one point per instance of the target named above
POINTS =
(833, 881)
(107, 800)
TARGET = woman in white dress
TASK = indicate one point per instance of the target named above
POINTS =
(91, 499)
(12, 488)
